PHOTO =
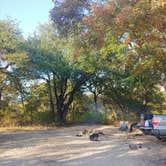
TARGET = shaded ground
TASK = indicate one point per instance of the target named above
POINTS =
(60, 147)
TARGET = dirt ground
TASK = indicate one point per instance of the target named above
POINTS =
(61, 147)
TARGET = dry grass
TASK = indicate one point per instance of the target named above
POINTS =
(25, 128)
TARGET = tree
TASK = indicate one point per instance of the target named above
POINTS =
(95, 85)
(64, 78)
(10, 56)
(131, 48)
(67, 15)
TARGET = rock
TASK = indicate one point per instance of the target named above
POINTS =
(135, 146)
(80, 134)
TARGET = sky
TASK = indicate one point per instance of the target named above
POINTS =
(28, 13)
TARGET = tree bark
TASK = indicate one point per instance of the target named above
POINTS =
(50, 95)
(145, 102)
(0, 98)
(0, 95)
(95, 100)
(64, 99)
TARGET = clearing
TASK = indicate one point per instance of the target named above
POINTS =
(61, 147)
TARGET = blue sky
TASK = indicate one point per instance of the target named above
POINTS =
(29, 13)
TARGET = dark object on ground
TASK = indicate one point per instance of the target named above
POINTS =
(94, 137)
(135, 146)
(133, 125)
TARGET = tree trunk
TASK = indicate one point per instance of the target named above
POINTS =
(31, 117)
(0, 98)
(61, 116)
(64, 99)
(50, 97)
(63, 107)
(95, 101)
(118, 101)
(145, 102)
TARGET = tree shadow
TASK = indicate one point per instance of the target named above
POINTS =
(59, 148)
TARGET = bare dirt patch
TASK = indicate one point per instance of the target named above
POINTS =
(61, 147)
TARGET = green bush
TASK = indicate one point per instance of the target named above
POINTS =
(44, 118)
(159, 112)
(96, 117)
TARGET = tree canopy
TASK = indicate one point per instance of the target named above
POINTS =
(112, 49)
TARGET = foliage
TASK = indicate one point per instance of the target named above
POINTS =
(113, 49)
(67, 15)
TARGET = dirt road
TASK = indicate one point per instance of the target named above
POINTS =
(61, 147)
